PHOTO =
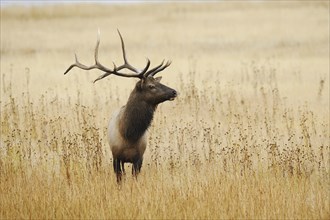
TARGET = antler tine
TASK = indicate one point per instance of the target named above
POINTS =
(159, 68)
(97, 64)
(154, 69)
(126, 64)
(79, 65)
(145, 68)
(122, 46)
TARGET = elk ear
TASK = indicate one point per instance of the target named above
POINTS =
(139, 84)
(157, 79)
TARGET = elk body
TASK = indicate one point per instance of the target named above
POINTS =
(128, 126)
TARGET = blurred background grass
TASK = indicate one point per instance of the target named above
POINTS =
(251, 124)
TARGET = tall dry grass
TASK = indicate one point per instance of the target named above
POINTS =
(248, 136)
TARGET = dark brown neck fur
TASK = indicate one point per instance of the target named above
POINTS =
(137, 117)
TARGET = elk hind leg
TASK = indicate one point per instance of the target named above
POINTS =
(136, 169)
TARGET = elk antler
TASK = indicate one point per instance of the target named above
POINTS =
(157, 69)
(138, 74)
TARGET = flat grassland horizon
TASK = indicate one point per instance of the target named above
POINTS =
(247, 138)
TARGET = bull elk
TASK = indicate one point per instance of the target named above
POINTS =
(127, 128)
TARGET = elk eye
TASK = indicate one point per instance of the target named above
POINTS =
(151, 86)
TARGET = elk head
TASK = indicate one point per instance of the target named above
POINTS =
(153, 92)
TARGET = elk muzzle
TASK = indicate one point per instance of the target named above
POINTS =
(173, 95)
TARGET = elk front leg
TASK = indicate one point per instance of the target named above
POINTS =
(123, 167)
(117, 169)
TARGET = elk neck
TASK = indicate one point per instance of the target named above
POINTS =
(137, 117)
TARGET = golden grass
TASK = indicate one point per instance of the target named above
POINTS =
(248, 136)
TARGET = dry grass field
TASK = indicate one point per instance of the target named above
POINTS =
(247, 138)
